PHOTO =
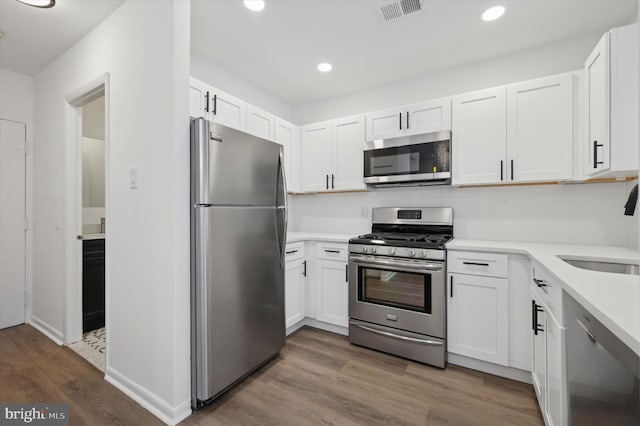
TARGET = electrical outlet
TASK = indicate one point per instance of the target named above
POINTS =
(133, 178)
(364, 212)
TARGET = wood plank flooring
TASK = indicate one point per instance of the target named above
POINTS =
(319, 378)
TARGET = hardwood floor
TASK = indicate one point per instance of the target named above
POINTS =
(319, 378)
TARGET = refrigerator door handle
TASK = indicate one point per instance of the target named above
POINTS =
(282, 207)
(200, 160)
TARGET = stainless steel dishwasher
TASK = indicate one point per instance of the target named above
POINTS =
(603, 372)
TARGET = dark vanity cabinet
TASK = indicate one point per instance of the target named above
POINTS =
(92, 284)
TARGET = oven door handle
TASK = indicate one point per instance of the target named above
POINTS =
(396, 336)
(398, 265)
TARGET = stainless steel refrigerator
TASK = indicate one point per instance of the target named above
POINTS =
(238, 232)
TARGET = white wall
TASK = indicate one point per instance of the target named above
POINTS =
(581, 214)
(144, 46)
(16, 103)
(556, 58)
(214, 74)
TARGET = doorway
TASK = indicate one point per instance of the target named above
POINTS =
(86, 303)
(13, 225)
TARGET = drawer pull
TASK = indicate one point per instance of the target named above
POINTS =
(332, 251)
(475, 263)
(292, 251)
(540, 283)
(304, 271)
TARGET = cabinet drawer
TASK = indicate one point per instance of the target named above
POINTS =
(548, 288)
(476, 263)
(333, 251)
(294, 251)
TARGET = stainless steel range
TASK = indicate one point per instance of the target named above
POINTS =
(397, 285)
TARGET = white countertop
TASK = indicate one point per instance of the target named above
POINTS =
(614, 299)
(293, 237)
(93, 236)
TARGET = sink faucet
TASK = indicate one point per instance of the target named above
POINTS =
(630, 206)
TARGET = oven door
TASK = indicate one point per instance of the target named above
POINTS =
(405, 294)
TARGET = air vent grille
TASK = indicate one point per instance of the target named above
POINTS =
(392, 10)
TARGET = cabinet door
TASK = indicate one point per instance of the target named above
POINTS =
(316, 157)
(478, 317)
(479, 137)
(385, 124)
(431, 116)
(538, 349)
(199, 98)
(260, 123)
(348, 147)
(540, 129)
(228, 110)
(285, 135)
(333, 292)
(294, 292)
(597, 74)
(555, 409)
(519, 312)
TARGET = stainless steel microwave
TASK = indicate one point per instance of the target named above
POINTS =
(409, 161)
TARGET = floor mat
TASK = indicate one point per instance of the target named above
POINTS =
(92, 347)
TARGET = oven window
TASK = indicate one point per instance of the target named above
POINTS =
(397, 289)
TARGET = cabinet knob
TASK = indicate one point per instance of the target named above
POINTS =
(79, 237)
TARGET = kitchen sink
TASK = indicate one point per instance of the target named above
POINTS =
(613, 267)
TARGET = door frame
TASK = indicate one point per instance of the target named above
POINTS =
(73, 269)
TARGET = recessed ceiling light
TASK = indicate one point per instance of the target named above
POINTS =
(39, 3)
(254, 5)
(493, 13)
(325, 67)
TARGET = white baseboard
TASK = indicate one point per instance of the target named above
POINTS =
(47, 330)
(148, 400)
(487, 367)
(326, 326)
(296, 326)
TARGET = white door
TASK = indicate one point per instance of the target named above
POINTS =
(285, 135)
(12, 223)
(430, 116)
(538, 349)
(478, 317)
(348, 152)
(199, 99)
(333, 292)
(540, 129)
(227, 110)
(556, 404)
(597, 74)
(294, 292)
(260, 123)
(479, 137)
(316, 157)
(389, 123)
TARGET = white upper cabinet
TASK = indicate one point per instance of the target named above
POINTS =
(540, 129)
(479, 137)
(198, 99)
(227, 110)
(316, 157)
(347, 152)
(611, 73)
(424, 117)
(286, 134)
(260, 123)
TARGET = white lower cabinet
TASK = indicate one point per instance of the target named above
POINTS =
(332, 298)
(294, 279)
(538, 349)
(478, 317)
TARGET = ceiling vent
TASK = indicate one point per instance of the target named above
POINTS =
(392, 10)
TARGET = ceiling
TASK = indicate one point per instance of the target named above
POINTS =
(33, 37)
(278, 49)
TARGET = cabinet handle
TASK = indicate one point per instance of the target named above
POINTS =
(511, 169)
(215, 104)
(400, 121)
(595, 154)
(304, 270)
(327, 182)
(451, 286)
(407, 120)
(501, 170)
(346, 272)
(331, 251)
(540, 283)
(206, 108)
(538, 329)
(333, 181)
(291, 251)
(475, 263)
(535, 308)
